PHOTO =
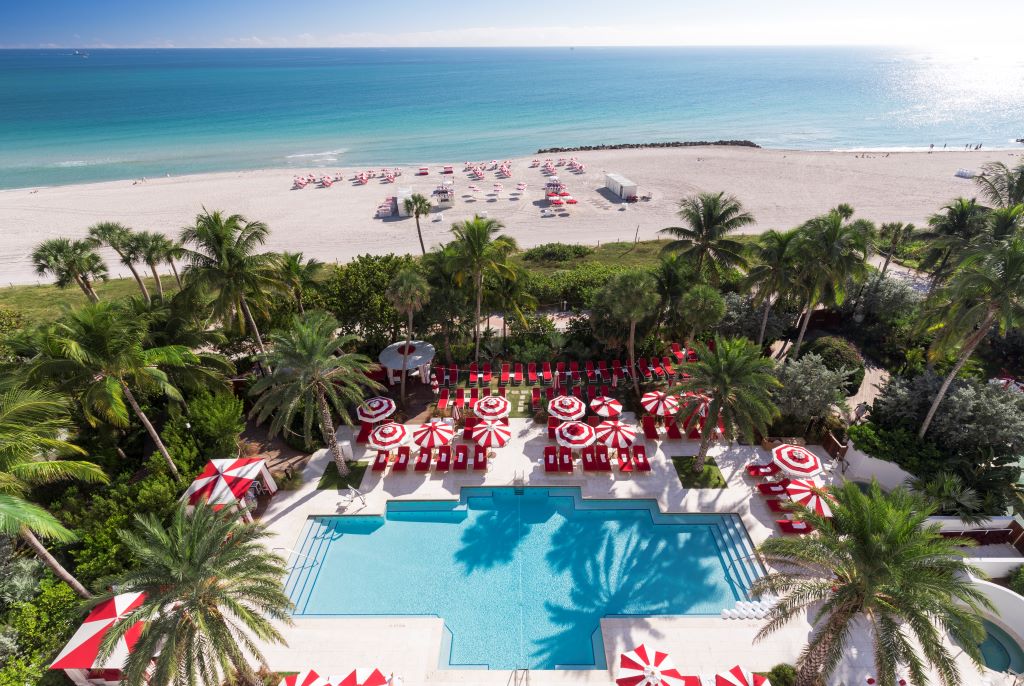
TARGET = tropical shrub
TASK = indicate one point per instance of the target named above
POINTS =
(838, 354)
(809, 389)
(557, 252)
(10, 322)
(782, 675)
(900, 446)
(885, 320)
(743, 318)
(1017, 580)
(574, 286)
(40, 627)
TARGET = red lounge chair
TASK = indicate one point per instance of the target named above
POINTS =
(535, 399)
(549, 394)
(691, 355)
(589, 459)
(545, 371)
(603, 465)
(364, 432)
(402, 463)
(578, 392)
(501, 391)
(574, 370)
(517, 375)
(794, 526)
(643, 368)
(460, 398)
(640, 459)
(605, 391)
(487, 373)
(656, 367)
(443, 399)
(485, 391)
(439, 375)
(474, 374)
(480, 459)
(444, 458)
(759, 470)
(677, 352)
(602, 370)
(531, 373)
(649, 427)
(381, 463)
(461, 457)
(771, 488)
(565, 463)
(506, 372)
(453, 376)
(775, 505)
(617, 372)
(624, 464)
(672, 431)
(594, 420)
(423, 460)
(591, 372)
(467, 430)
(550, 459)
(553, 423)
(474, 395)
(591, 393)
(669, 369)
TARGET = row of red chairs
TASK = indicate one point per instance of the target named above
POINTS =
(774, 488)
(442, 461)
(464, 397)
(596, 459)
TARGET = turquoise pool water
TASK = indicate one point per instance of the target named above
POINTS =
(522, 577)
(1000, 651)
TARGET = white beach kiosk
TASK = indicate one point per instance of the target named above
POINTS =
(620, 186)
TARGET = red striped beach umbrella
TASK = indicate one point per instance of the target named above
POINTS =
(490, 434)
(810, 494)
(376, 409)
(567, 408)
(737, 676)
(492, 407)
(695, 420)
(387, 436)
(660, 403)
(575, 435)
(433, 434)
(306, 678)
(615, 434)
(645, 667)
(606, 406)
(363, 676)
(796, 460)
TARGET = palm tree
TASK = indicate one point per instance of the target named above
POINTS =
(771, 277)
(212, 593)
(221, 259)
(479, 250)
(408, 293)
(312, 377)
(100, 353)
(987, 290)
(509, 293)
(701, 307)
(298, 274)
(156, 249)
(832, 250)
(895, 234)
(672, 276)
(709, 218)
(631, 298)
(736, 383)
(1001, 185)
(32, 426)
(418, 206)
(70, 262)
(177, 250)
(122, 241)
(876, 561)
(949, 495)
(1004, 222)
(952, 232)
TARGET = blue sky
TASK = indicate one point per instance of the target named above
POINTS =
(416, 23)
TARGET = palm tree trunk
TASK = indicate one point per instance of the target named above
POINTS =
(965, 354)
(51, 562)
(702, 452)
(795, 352)
(152, 431)
(86, 288)
(327, 426)
(174, 270)
(252, 326)
(419, 233)
(476, 322)
(159, 283)
(405, 356)
(888, 258)
(764, 322)
(937, 274)
(298, 299)
(632, 359)
(139, 281)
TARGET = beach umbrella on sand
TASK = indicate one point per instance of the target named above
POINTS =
(387, 436)
(575, 435)
(557, 201)
(810, 494)
(565, 194)
(363, 676)
(433, 434)
(737, 676)
(660, 403)
(376, 409)
(492, 407)
(605, 406)
(615, 434)
(645, 667)
(796, 460)
(567, 408)
(304, 678)
(489, 434)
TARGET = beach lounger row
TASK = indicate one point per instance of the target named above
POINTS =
(456, 458)
(463, 397)
(596, 459)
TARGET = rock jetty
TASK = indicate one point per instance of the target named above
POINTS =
(630, 146)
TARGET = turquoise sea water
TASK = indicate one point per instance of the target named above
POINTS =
(67, 118)
(522, 579)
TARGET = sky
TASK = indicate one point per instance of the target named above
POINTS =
(457, 23)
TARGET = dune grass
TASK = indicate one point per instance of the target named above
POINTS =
(45, 303)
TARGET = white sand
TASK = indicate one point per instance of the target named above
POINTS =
(781, 188)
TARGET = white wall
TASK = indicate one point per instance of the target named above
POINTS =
(996, 567)
(862, 467)
(954, 524)
(1009, 605)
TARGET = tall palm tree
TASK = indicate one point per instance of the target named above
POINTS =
(479, 250)
(631, 298)
(312, 375)
(122, 241)
(297, 274)
(418, 205)
(709, 219)
(735, 383)
(32, 426)
(877, 561)
(156, 249)
(1005, 222)
(177, 250)
(771, 276)
(99, 353)
(987, 290)
(672, 277)
(408, 293)
(212, 592)
(952, 231)
(70, 262)
(893, 235)
(702, 307)
(221, 258)
(509, 293)
(949, 495)
(1001, 185)
(832, 250)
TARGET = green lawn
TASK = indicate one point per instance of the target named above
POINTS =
(330, 478)
(711, 477)
(40, 304)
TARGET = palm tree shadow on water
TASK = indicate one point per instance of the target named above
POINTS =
(495, 535)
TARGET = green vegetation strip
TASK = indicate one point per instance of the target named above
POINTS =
(710, 476)
(330, 479)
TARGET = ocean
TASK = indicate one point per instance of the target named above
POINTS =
(120, 114)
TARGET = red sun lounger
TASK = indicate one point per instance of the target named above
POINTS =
(589, 459)
(672, 431)
(487, 373)
(444, 458)
(402, 463)
(474, 374)
(775, 505)
(640, 459)
(506, 373)
(760, 470)
(364, 432)
(423, 460)
(625, 465)
(678, 353)
(535, 399)
(480, 459)
(550, 459)
(531, 373)
(772, 488)
(545, 371)
(461, 457)
(794, 526)
(381, 463)
(591, 372)
(565, 460)
(443, 399)
(517, 375)
(453, 375)
(460, 398)
(649, 427)
(603, 465)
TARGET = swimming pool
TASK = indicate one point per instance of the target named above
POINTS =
(522, 577)
(1000, 651)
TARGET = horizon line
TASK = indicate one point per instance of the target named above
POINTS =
(463, 47)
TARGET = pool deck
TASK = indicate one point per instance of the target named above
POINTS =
(410, 646)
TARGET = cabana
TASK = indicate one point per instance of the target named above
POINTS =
(620, 186)
(227, 483)
(419, 357)
(80, 660)
(401, 196)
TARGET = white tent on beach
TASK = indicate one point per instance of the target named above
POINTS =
(620, 186)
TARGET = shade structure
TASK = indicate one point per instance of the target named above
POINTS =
(433, 434)
(615, 434)
(225, 482)
(737, 676)
(492, 407)
(420, 353)
(605, 406)
(796, 460)
(387, 436)
(567, 408)
(699, 405)
(575, 435)
(1008, 382)
(362, 676)
(491, 434)
(304, 678)
(83, 650)
(375, 409)
(643, 666)
(809, 493)
(660, 403)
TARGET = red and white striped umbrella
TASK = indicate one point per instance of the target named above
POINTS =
(660, 403)
(362, 676)
(606, 406)
(645, 667)
(575, 435)
(492, 407)
(615, 434)
(796, 460)
(737, 676)
(694, 423)
(376, 409)
(810, 494)
(83, 649)
(305, 678)
(387, 436)
(490, 434)
(433, 434)
(567, 408)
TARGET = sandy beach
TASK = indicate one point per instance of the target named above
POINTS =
(781, 188)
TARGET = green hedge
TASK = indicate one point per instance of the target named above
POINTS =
(839, 354)
(1017, 580)
(41, 625)
(557, 252)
